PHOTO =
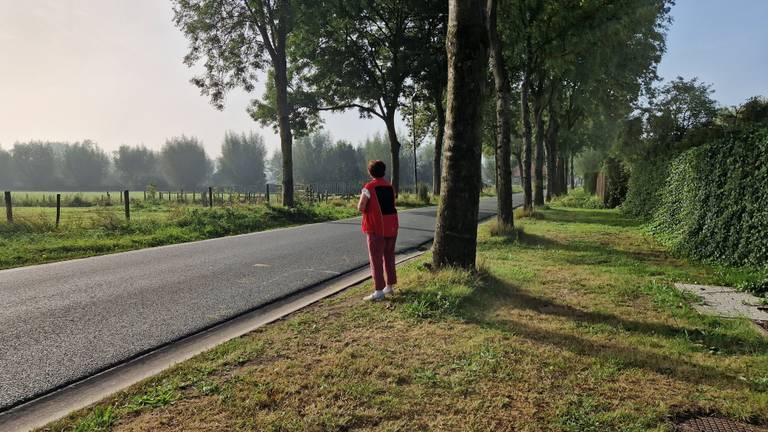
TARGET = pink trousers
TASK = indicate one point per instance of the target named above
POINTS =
(381, 253)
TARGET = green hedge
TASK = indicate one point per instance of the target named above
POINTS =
(714, 202)
(646, 180)
(616, 178)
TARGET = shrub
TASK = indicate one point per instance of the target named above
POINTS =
(590, 182)
(616, 177)
(714, 203)
(578, 198)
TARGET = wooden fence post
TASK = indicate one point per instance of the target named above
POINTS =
(127, 202)
(210, 197)
(8, 207)
(58, 209)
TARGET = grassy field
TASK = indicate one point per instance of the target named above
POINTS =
(33, 238)
(572, 325)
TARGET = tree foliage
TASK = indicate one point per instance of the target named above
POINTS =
(85, 165)
(137, 167)
(6, 176)
(242, 160)
(35, 165)
(185, 163)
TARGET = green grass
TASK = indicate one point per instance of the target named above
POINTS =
(572, 324)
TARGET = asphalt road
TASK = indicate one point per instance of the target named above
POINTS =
(62, 322)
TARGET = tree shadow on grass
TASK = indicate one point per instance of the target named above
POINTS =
(485, 307)
(600, 217)
(593, 253)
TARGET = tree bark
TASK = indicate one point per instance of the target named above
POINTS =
(573, 182)
(527, 147)
(503, 156)
(563, 175)
(519, 159)
(394, 150)
(281, 101)
(552, 154)
(286, 137)
(467, 49)
(538, 118)
(438, 158)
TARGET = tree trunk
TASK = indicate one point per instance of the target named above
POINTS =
(281, 101)
(538, 118)
(437, 162)
(394, 150)
(519, 159)
(551, 144)
(467, 48)
(503, 156)
(573, 180)
(527, 147)
(564, 175)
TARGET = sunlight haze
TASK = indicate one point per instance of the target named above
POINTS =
(112, 72)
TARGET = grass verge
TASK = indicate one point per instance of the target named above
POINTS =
(571, 325)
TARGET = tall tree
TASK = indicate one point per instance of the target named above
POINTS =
(185, 163)
(35, 165)
(242, 159)
(467, 49)
(239, 38)
(431, 78)
(6, 176)
(136, 166)
(358, 54)
(85, 165)
(503, 130)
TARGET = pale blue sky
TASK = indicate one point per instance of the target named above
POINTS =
(111, 71)
(724, 43)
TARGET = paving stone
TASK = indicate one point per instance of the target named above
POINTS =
(726, 302)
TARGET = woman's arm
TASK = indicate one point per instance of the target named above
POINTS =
(363, 203)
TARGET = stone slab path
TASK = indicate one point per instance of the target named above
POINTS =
(726, 302)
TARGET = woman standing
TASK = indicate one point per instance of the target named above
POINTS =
(380, 224)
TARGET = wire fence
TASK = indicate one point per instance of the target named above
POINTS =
(86, 208)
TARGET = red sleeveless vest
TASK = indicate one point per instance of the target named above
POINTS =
(380, 216)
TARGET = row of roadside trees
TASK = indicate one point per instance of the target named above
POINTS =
(565, 74)
(182, 163)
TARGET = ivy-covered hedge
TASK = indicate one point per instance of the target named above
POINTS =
(714, 202)
(645, 182)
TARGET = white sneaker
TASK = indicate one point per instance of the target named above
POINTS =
(388, 290)
(376, 296)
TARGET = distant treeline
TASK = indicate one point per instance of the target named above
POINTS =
(182, 163)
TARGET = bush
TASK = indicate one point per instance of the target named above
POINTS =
(714, 203)
(616, 178)
(590, 182)
(578, 198)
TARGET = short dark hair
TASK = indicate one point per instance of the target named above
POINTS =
(376, 168)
